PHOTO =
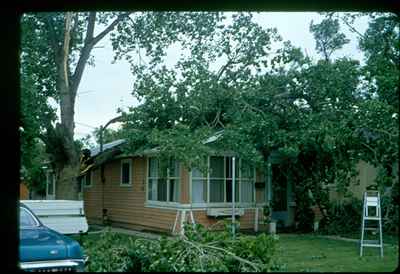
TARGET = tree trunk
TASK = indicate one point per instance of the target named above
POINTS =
(67, 173)
(67, 169)
(66, 183)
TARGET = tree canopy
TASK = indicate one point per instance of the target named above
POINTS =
(315, 119)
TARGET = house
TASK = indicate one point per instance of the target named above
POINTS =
(138, 191)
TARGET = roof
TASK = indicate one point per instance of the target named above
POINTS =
(95, 151)
(214, 137)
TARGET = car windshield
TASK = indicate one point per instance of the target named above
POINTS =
(26, 219)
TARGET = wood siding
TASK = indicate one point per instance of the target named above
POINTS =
(126, 205)
(93, 198)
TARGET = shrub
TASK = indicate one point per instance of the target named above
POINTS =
(344, 217)
(390, 213)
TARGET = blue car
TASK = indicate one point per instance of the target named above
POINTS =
(43, 249)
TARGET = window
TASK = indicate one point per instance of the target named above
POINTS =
(126, 172)
(199, 186)
(219, 182)
(163, 181)
(26, 219)
(246, 182)
(88, 179)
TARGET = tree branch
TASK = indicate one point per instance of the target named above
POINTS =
(370, 148)
(65, 50)
(222, 69)
(88, 46)
(352, 28)
(100, 36)
(90, 27)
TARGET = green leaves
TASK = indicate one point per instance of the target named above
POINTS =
(204, 250)
(327, 36)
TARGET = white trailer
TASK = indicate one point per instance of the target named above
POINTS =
(63, 216)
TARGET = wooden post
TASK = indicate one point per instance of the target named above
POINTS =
(256, 221)
(183, 217)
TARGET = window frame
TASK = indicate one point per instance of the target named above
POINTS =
(237, 177)
(167, 182)
(130, 162)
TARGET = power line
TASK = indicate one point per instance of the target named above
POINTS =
(84, 92)
(86, 125)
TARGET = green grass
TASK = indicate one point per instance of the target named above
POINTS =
(308, 253)
(387, 238)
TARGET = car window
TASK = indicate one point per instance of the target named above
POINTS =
(26, 218)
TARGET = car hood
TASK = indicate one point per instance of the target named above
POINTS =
(41, 244)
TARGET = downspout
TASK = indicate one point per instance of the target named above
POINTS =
(103, 180)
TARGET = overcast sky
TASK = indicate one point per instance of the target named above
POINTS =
(106, 87)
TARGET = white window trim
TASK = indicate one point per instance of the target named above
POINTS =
(130, 162)
(90, 174)
(162, 203)
(225, 203)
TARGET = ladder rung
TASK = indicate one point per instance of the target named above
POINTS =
(370, 242)
(371, 218)
(371, 228)
(372, 245)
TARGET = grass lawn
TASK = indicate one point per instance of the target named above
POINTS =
(308, 253)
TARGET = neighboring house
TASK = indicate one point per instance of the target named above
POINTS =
(23, 191)
(366, 177)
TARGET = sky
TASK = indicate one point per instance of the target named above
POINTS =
(106, 87)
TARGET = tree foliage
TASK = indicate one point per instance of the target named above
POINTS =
(315, 119)
(56, 47)
(199, 250)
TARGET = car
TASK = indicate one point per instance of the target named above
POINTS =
(43, 249)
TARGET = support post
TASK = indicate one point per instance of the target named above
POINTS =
(233, 197)
(256, 221)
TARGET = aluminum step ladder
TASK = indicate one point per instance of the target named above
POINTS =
(371, 213)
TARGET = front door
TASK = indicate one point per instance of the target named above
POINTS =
(279, 197)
